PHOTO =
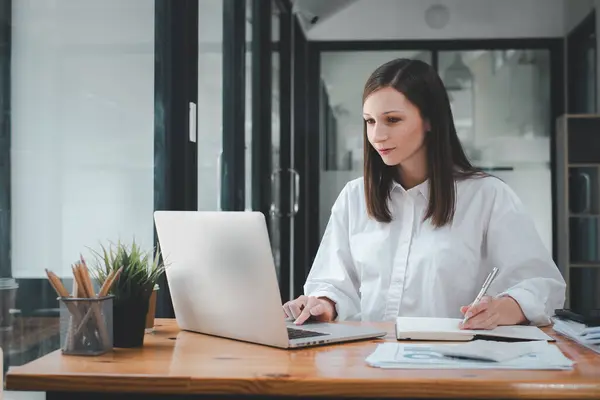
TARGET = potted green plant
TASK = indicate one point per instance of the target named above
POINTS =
(132, 289)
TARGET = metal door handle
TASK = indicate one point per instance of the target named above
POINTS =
(295, 193)
(193, 118)
(588, 193)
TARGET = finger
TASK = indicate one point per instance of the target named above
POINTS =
(480, 321)
(287, 311)
(478, 308)
(475, 321)
(305, 314)
(488, 320)
(464, 309)
(296, 310)
(296, 307)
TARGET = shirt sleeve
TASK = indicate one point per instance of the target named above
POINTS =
(527, 272)
(333, 274)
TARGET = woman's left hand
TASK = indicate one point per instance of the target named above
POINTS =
(492, 312)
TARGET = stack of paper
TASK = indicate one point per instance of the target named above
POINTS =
(581, 333)
(536, 355)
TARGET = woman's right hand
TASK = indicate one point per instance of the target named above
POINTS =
(305, 307)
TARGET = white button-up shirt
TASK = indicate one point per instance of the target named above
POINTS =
(377, 271)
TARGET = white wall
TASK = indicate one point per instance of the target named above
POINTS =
(574, 12)
(82, 129)
(480, 19)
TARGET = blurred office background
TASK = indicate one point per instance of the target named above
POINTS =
(112, 109)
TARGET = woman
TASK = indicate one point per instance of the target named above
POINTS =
(419, 233)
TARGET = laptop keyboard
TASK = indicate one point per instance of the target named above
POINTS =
(302, 333)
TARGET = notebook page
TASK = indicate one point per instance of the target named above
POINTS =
(418, 324)
(451, 326)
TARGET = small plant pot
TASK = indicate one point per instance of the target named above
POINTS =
(151, 310)
(129, 322)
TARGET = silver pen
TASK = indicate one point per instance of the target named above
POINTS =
(484, 288)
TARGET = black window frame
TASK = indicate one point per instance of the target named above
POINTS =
(579, 40)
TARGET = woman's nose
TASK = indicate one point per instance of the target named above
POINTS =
(380, 133)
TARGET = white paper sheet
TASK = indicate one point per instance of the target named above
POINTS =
(544, 356)
(586, 336)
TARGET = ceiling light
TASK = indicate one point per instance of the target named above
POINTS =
(437, 16)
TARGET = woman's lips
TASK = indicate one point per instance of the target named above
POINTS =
(385, 151)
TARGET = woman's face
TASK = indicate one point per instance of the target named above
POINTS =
(394, 126)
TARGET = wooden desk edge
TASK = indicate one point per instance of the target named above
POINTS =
(122, 383)
(418, 388)
(335, 388)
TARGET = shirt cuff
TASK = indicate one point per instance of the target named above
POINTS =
(342, 307)
(532, 308)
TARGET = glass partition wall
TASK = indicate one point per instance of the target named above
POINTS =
(500, 100)
(77, 154)
(111, 110)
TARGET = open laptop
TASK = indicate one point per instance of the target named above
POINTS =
(223, 282)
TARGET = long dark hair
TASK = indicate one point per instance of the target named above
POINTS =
(446, 160)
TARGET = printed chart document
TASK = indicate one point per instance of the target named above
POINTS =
(487, 350)
(447, 329)
(588, 336)
(535, 355)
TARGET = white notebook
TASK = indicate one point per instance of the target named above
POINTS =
(447, 329)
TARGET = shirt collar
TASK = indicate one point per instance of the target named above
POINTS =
(422, 188)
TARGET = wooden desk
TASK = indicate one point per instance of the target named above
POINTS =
(183, 363)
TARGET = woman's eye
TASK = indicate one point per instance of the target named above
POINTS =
(393, 120)
(370, 121)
